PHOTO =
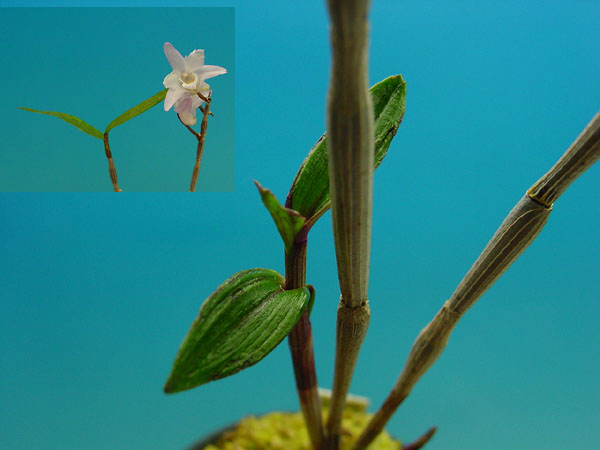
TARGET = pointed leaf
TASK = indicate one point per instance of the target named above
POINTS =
(288, 222)
(75, 121)
(309, 194)
(238, 325)
(137, 110)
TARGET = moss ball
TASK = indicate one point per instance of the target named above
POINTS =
(286, 431)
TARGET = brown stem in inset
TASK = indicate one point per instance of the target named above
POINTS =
(301, 345)
(201, 137)
(112, 170)
(517, 231)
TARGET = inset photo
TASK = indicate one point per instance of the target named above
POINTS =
(117, 100)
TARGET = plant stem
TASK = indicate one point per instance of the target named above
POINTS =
(519, 229)
(112, 170)
(350, 132)
(201, 137)
(352, 324)
(301, 345)
(577, 159)
(419, 443)
(350, 145)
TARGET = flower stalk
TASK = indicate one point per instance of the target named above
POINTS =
(301, 345)
(517, 231)
(112, 170)
(201, 137)
(350, 146)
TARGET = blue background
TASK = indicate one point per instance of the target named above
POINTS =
(96, 63)
(98, 290)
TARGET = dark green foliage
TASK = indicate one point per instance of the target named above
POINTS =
(238, 325)
(309, 194)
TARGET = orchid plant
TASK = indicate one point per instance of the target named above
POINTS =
(254, 310)
(185, 90)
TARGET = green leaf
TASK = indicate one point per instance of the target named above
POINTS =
(288, 222)
(75, 121)
(309, 194)
(238, 325)
(137, 110)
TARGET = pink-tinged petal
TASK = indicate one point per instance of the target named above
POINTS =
(186, 110)
(197, 101)
(194, 61)
(188, 118)
(207, 72)
(174, 95)
(185, 104)
(188, 104)
(174, 57)
(172, 80)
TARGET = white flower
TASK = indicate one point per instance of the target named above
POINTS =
(186, 81)
(187, 107)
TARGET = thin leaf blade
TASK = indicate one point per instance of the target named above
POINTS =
(237, 326)
(309, 194)
(137, 110)
(70, 119)
(288, 222)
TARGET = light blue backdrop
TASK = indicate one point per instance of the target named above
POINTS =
(98, 290)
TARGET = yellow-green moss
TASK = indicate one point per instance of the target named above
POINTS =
(286, 431)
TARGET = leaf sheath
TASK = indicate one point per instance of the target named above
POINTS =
(301, 345)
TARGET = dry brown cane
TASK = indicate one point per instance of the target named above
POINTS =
(350, 147)
(517, 231)
(112, 170)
